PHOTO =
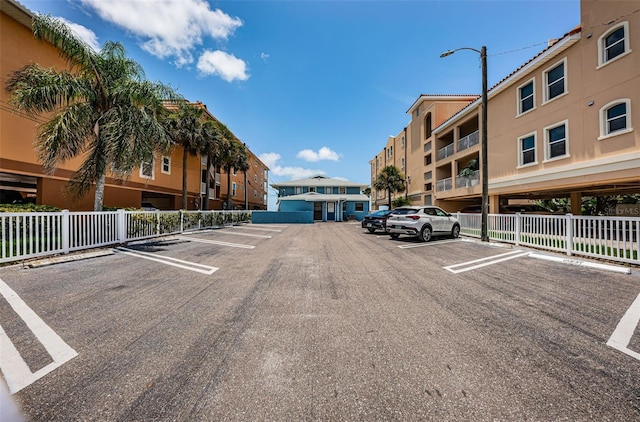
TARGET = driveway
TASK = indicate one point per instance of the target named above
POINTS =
(319, 322)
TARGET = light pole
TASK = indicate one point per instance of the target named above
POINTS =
(483, 156)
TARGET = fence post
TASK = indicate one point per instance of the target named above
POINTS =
(66, 231)
(517, 229)
(122, 226)
(181, 221)
(569, 230)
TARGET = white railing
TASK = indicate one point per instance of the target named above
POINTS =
(444, 184)
(611, 238)
(445, 152)
(36, 234)
(468, 181)
(468, 141)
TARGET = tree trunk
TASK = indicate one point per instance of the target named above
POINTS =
(99, 195)
(184, 178)
(389, 198)
(229, 188)
(205, 201)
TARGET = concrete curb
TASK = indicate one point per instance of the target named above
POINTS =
(577, 262)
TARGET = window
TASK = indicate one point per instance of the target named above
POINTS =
(342, 190)
(312, 188)
(328, 190)
(556, 141)
(526, 98)
(527, 150)
(298, 190)
(146, 170)
(428, 187)
(613, 44)
(427, 160)
(615, 118)
(255, 162)
(556, 82)
(234, 189)
(255, 193)
(427, 176)
(402, 164)
(402, 142)
(390, 152)
(359, 206)
(255, 178)
(233, 171)
(427, 147)
(166, 164)
(427, 126)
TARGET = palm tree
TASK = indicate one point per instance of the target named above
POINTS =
(102, 109)
(391, 180)
(217, 138)
(185, 127)
(235, 157)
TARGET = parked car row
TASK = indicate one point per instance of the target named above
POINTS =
(423, 222)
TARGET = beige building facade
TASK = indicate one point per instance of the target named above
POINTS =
(563, 125)
(158, 183)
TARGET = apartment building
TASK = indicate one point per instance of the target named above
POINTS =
(158, 183)
(559, 126)
(411, 150)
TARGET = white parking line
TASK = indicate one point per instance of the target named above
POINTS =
(15, 370)
(191, 266)
(217, 242)
(495, 259)
(256, 228)
(624, 331)
(236, 233)
(419, 245)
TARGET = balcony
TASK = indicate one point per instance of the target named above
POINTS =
(445, 152)
(468, 141)
(444, 184)
(468, 181)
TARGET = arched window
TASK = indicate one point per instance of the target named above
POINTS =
(427, 126)
(613, 44)
(615, 118)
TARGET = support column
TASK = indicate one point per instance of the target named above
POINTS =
(576, 203)
(494, 204)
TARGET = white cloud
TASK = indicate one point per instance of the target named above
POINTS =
(225, 65)
(271, 160)
(264, 56)
(168, 28)
(323, 153)
(84, 33)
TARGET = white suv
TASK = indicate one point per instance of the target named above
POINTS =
(422, 222)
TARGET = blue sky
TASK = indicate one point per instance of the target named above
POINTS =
(316, 87)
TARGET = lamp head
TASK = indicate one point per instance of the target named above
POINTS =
(446, 53)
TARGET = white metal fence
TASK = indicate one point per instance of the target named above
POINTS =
(35, 234)
(611, 238)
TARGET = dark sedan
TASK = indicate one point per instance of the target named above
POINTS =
(377, 220)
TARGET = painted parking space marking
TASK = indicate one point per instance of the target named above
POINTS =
(237, 233)
(256, 228)
(621, 337)
(217, 242)
(187, 265)
(483, 262)
(419, 245)
(15, 370)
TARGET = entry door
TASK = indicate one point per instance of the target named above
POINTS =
(331, 211)
(317, 210)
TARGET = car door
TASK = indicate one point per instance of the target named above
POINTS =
(443, 221)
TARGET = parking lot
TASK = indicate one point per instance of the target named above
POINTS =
(320, 322)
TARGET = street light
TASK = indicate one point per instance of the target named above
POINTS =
(483, 158)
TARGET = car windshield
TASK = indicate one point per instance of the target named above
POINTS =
(381, 212)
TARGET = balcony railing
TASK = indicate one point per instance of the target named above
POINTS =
(445, 152)
(468, 181)
(444, 184)
(468, 141)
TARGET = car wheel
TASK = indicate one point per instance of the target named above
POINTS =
(425, 234)
(394, 235)
(371, 230)
(455, 231)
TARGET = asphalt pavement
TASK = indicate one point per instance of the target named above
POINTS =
(319, 322)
